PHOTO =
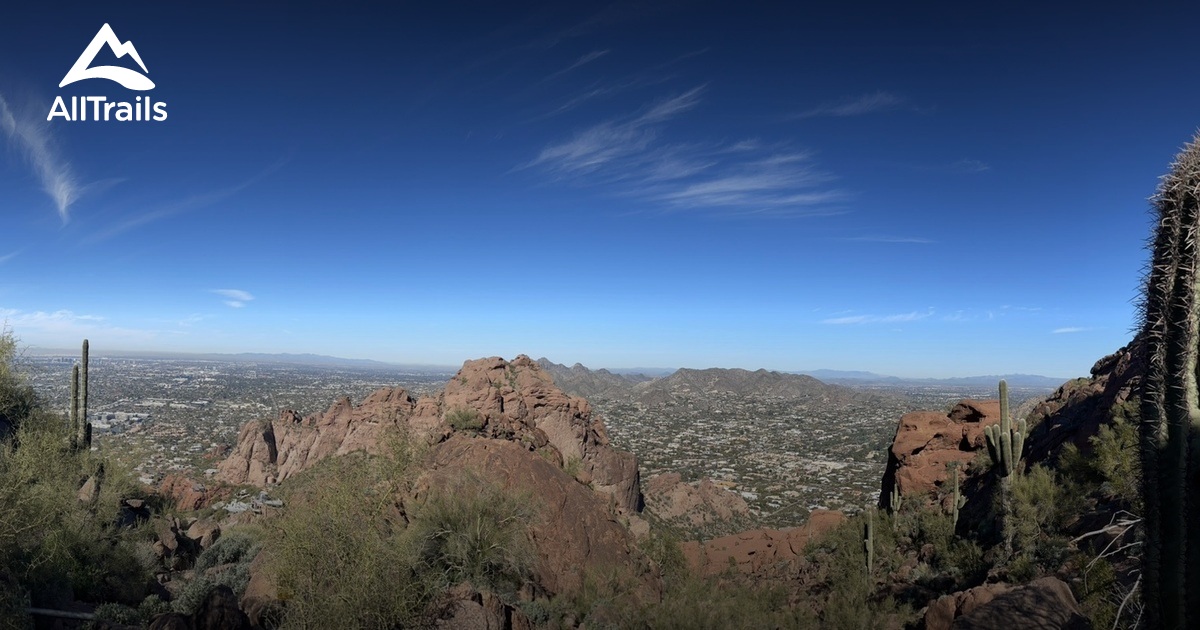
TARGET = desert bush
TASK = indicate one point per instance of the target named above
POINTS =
(475, 531)
(235, 547)
(337, 553)
(1113, 467)
(18, 401)
(233, 551)
(119, 613)
(1039, 508)
(464, 419)
(54, 546)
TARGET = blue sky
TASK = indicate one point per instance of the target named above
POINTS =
(937, 191)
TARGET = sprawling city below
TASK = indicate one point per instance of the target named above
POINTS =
(785, 457)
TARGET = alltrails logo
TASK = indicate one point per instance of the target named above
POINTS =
(99, 107)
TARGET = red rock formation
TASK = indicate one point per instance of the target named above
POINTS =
(762, 553)
(514, 401)
(671, 499)
(928, 440)
(188, 494)
(1044, 604)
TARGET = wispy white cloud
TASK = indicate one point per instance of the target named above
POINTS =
(968, 165)
(585, 59)
(1066, 330)
(235, 298)
(33, 141)
(195, 202)
(744, 177)
(65, 326)
(608, 141)
(889, 239)
(857, 106)
(7, 257)
(879, 319)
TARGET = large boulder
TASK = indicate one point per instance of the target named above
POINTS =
(1044, 604)
(926, 441)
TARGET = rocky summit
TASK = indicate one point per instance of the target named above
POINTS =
(490, 398)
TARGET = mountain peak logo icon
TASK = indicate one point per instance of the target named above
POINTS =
(131, 79)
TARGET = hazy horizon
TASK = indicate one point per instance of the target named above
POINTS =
(934, 191)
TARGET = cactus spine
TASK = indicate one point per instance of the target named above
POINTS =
(1170, 401)
(1005, 442)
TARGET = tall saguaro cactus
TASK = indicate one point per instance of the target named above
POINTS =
(1005, 442)
(1170, 401)
(83, 397)
(81, 429)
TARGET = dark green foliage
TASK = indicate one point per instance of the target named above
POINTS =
(1170, 427)
(119, 613)
(338, 553)
(233, 551)
(464, 419)
(476, 532)
(17, 398)
(1037, 517)
(231, 548)
(55, 547)
(1112, 468)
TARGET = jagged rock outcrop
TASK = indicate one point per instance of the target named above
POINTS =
(926, 441)
(692, 504)
(1076, 410)
(761, 553)
(514, 401)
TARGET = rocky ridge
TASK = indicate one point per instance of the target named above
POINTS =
(489, 398)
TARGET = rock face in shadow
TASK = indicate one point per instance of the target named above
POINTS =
(491, 398)
(1043, 604)
(574, 528)
(761, 553)
(1076, 410)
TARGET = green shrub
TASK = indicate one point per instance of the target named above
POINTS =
(231, 548)
(18, 401)
(464, 419)
(338, 552)
(1113, 467)
(475, 531)
(118, 613)
(56, 547)
(234, 552)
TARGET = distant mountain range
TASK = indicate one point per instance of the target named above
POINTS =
(316, 360)
(851, 377)
(581, 381)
